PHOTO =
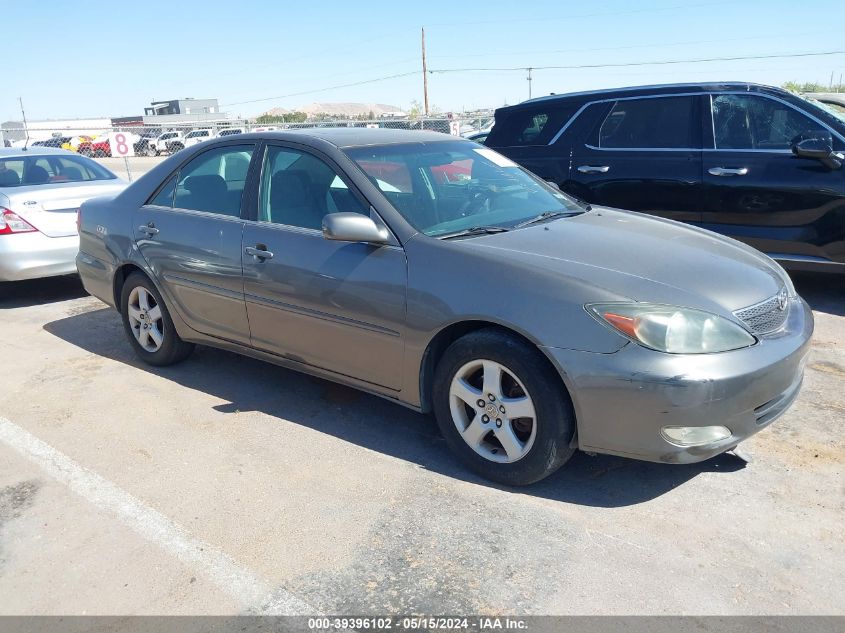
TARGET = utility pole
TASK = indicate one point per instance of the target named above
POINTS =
(25, 126)
(425, 75)
(529, 82)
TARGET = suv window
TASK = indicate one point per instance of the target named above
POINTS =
(529, 127)
(754, 122)
(658, 123)
(298, 189)
(213, 181)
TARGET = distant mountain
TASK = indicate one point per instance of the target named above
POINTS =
(342, 109)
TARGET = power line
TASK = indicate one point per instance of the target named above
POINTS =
(628, 64)
(326, 89)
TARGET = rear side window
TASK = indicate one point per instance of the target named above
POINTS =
(536, 126)
(752, 122)
(45, 170)
(661, 123)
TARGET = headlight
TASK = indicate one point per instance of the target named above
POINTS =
(671, 329)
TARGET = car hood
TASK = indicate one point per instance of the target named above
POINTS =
(643, 258)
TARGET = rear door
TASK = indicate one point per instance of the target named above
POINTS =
(757, 191)
(643, 154)
(190, 234)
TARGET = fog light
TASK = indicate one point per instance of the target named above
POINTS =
(694, 435)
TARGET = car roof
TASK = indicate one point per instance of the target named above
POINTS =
(653, 89)
(29, 151)
(344, 137)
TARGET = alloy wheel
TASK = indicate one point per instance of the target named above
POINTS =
(492, 411)
(145, 319)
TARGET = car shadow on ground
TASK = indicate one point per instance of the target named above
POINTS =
(824, 292)
(24, 294)
(246, 384)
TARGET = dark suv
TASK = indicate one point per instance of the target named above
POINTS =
(753, 162)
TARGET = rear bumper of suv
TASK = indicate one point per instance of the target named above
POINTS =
(625, 401)
(34, 255)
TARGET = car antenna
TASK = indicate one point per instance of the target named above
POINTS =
(25, 127)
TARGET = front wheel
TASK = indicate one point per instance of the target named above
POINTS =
(502, 409)
(148, 324)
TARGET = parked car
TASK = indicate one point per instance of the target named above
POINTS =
(98, 147)
(54, 141)
(194, 137)
(229, 131)
(759, 164)
(530, 323)
(41, 190)
(159, 145)
(834, 101)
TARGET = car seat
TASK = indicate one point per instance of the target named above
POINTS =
(36, 175)
(291, 201)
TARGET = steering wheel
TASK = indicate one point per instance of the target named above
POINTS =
(477, 198)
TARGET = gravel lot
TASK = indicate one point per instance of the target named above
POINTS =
(225, 485)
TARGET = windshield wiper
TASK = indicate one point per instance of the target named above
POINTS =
(548, 215)
(475, 230)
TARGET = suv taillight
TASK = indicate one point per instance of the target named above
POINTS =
(10, 223)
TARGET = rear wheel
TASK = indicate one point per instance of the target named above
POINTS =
(148, 325)
(502, 408)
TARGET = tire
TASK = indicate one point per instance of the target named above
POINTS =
(542, 442)
(159, 344)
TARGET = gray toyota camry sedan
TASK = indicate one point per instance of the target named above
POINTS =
(435, 272)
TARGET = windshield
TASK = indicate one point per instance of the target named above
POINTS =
(447, 187)
(837, 112)
(25, 171)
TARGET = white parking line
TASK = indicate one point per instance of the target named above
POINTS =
(242, 584)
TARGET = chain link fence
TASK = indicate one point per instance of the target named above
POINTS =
(150, 143)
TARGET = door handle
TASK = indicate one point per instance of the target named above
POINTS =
(149, 229)
(258, 251)
(594, 169)
(724, 171)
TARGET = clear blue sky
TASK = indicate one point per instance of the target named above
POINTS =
(105, 58)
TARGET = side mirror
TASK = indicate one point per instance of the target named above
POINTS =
(353, 227)
(817, 146)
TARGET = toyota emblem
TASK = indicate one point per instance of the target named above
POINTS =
(783, 297)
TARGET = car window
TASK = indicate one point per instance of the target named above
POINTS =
(299, 189)
(43, 170)
(662, 123)
(164, 198)
(754, 122)
(214, 181)
(450, 186)
(529, 127)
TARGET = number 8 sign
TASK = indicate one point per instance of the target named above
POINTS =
(121, 144)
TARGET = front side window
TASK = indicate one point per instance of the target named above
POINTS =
(754, 122)
(658, 123)
(299, 189)
(451, 186)
(214, 181)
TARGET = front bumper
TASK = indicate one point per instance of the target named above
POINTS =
(623, 400)
(34, 255)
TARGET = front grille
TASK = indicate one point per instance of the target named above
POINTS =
(764, 317)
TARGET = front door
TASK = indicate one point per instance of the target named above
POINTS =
(758, 192)
(644, 155)
(338, 306)
(190, 235)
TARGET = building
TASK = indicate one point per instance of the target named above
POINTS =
(42, 130)
(182, 111)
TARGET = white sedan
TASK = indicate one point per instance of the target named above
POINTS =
(41, 190)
